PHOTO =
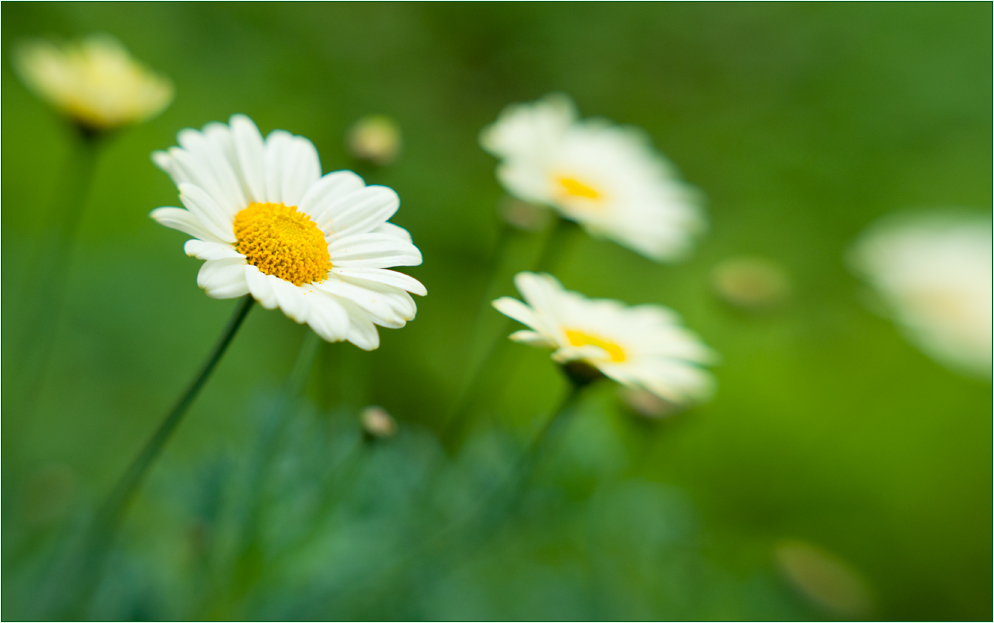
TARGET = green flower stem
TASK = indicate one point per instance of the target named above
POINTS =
(492, 370)
(101, 534)
(245, 567)
(132, 478)
(503, 502)
(452, 423)
(496, 505)
(556, 243)
(580, 376)
(504, 237)
(556, 423)
(43, 290)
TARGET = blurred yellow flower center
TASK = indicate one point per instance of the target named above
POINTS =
(282, 242)
(576, 188)
(582, 338)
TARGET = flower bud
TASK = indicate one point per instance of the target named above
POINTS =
(751, 283)
(375, 138)
(376, 422)
(823, 578)
(522, 215)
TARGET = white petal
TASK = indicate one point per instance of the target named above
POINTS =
(399, 301)
(276, 152)
(207, 211)
(290, 299)
(386, 277)
(327, 317)
(326, 192)
(223, 139)
(366, 210)
(532, 338)
(540, 291)
(362, 331)
(301, 170)
(165, 162)
(675, 380)
(184, 221)
(216, 167)
(530, 129)
(515, 309)
(386, 307)
(373, 251)
(260, 287)
(250, 149)
(394, 230)
(223, 279)
(210, 250)
(194, 171)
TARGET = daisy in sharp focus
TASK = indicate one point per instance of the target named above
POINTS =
(94, 81)
(605, 177)
(267, 223)
(641, 346)
(933, 274)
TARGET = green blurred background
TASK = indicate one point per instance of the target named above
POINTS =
(802, 124)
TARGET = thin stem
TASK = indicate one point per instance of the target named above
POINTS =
(242, 573)
(469, 388)
(543, 440)
(499, 502)
(43, 290)
(494, 359)
(554, 425)
(556, 244)
(550, 432)
(105, 523)
(132, 478)
(493, 277)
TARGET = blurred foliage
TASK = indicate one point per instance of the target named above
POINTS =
(802, 123)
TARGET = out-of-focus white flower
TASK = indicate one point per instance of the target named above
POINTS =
(377, 422)
(751, 283)
(933, 272)
(375, 138)
(266, 222)
(605, 177)
(94, 81)
(641, 346)
(823, 578)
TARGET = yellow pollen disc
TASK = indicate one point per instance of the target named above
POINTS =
(582, 338)
(576, 188)
(282, 242)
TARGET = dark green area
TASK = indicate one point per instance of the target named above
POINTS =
(802, 123)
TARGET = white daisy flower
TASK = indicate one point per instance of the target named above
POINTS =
(94, 81)
(605, 177)
(267, 223)
(642, 346)
(933, 272)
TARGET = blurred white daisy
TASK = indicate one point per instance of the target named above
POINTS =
(642, 346)
(266, 222)
(607, 178)
(94, 81)
(933, 272)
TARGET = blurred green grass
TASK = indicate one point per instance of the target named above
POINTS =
(801, 123)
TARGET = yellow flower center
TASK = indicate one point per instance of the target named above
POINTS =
(582, 338)
(575, 188)
(282, 242)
